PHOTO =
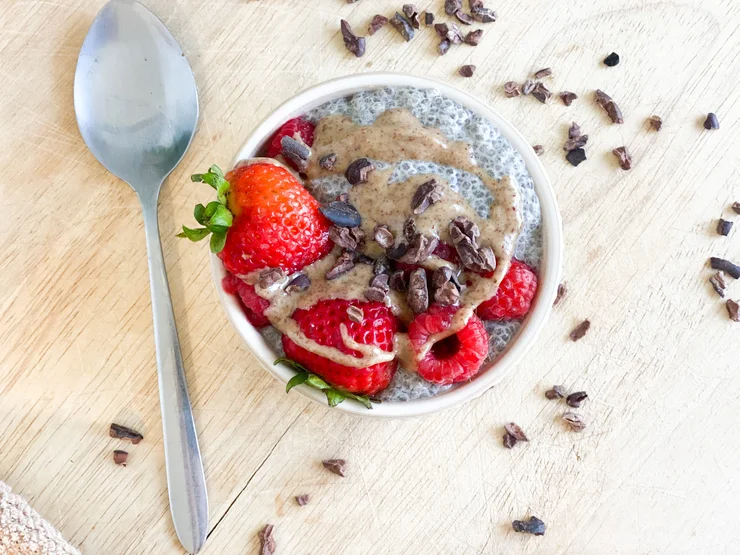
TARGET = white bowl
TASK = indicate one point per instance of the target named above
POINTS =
(549, 274)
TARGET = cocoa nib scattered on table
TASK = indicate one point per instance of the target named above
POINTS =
(450, 32)
(377, 23)
(267, 540)
(299, 283)
(270, 276)
(568, 97)
(122, 432)
(541, 93)
(473, 37)
(724, 227)
(574, 421)
(711, 122)
(296, 151)
(303, 499)
(451, 6)
(580, 330)
(418, 294)
(539, 150)
(358, 171)
(732, 310)
(328, 162)
(576, 156)
(512, 89)
(718, 283)
(120, 457)
(532, 526)
(508, 440)
(412, 15)
(726, 266)
(611, 107)
(562, 292)
(352, 42)
(341, 213)
(656, 122)
(557, 392)
(428, 18)
(482, 14)
(574, 130)
(444, 47)
(467, 70)
(402, 25)
(574, 145)
(611, 60)
(337, 466)
(623, 157)
(542, 73)
(515, 431)
(575, 399)
(736, 207)
(576, 142)
(528, 86)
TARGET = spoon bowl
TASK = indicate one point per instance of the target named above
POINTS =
(137, 110)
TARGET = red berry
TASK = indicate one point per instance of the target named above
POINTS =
(277, 223)
(304, 128)
(455, 358)
(254, 306)
(321, 324)
(514, 295)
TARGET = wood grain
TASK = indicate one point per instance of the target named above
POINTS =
(656, 471)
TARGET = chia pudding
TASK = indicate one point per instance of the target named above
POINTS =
(445, 200)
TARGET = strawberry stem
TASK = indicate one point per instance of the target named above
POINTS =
(304, 377)
(215, 217)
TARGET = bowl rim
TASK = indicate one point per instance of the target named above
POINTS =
(550, 268)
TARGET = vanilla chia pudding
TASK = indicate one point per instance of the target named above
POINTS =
(418, 141)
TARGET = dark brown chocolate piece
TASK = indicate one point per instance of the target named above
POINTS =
(516, 431)
(383, 236)
(541, 93)
(355, 314)
(420, 248)
(512, 89)
(350, 238)
(377, 23)
(568, 97)
(398, 281)
(532, 526)
(575, 421)
(736, 207)
(375, 294)
(451, 6)
(611, 107)
(358, 171)
(726, 266)
(724, 227)
(467, 70)
(412, 14)
(418, 295)
(396, 252)
(575, 399)
(328, 162)
(425, 195)
(303, 499)
(528, 87)
(580, 330)
(270, 276)
(409, 229)
(542, 73)
(624, 157)
(733, 310)
(267, 541)
(655, 122)
(718, 283)
(484, 15)
(464, 18)
(345, 262)
(576, 156)
(352, 42)
(557, 392)
(381, 265)
(464, 235)
(402, 25)
(120, 457)
(711, 122)
(562, 292)
(576, 142)
(451, 32)
(428, 18)
(444, 47)
(122, 432)
(473, 37)
(296, 151)
(299, 283)
(337, 466)
(509, 440)
(611, 60)
(447, 294)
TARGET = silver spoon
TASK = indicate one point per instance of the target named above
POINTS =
(137, 109)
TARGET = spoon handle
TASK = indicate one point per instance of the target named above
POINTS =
(185, 479)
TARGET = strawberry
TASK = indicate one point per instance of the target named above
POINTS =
(455, 358)
(298, 126)
(321, 323)
(262, 218)
(254, 306)
(514, 295)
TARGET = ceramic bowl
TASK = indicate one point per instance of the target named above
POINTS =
(549, 274)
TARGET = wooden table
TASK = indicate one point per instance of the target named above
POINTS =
(657, 469)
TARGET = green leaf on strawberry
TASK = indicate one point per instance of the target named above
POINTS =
(333, 396)
(215, 216)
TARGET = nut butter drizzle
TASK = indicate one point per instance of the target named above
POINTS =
(395, 136)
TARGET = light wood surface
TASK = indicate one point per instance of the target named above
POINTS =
(656, 471)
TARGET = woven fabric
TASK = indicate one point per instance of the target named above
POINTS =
(24, 532)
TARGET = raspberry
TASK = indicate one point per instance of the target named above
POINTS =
(304, 128)
(253, 305)
(455, 358)
(321, 323)
(514, 295)
(277, 223)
